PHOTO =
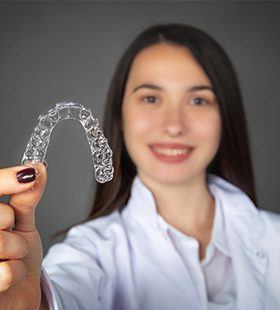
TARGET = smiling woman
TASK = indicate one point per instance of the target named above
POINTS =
(178, 227)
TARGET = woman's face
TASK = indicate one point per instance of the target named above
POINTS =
(160, 105)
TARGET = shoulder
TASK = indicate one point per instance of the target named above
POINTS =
(271, 216)
(271, 220)
(102, 228)
(88, 240)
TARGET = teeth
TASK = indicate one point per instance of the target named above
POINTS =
(171, 152)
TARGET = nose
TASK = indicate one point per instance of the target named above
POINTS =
(174, 121)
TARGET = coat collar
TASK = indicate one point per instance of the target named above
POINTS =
(235, 205)
(244, 227)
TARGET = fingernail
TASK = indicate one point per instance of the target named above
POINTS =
(26, 175)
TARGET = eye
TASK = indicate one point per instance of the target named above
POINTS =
(149, 99)
(199, 100)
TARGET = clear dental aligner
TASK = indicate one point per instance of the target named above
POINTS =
(37, 145)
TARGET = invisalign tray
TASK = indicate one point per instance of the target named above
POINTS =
(101, 152)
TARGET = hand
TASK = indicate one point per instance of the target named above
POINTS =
(21, 250)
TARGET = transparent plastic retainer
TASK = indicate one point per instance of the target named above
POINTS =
(37, 145)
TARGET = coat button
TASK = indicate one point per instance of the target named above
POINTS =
(260, 255)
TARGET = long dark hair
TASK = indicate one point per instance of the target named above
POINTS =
(233, 159)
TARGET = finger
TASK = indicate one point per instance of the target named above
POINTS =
(7, 217)
(11, 273)
(9, 183)
(12, 246)
(24, 203)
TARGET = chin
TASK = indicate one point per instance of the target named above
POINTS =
(166, 177)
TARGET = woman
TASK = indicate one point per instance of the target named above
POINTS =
(178, 227)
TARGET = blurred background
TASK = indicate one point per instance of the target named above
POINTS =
(56, 51)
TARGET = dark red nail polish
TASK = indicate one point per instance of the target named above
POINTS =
(26, 175)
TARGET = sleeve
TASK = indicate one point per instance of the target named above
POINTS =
(71, 274)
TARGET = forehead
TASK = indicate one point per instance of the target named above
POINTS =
(165, 62)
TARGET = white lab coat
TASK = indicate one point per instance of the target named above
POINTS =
(121, 261)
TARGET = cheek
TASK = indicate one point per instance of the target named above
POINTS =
(138, 124)
(210, 129)
(137, 128)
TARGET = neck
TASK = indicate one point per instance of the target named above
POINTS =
(188, 206)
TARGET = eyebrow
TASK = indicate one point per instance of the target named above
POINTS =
(191, 89)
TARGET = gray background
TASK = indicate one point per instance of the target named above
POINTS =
(51, 52)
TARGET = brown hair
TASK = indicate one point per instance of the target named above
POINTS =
(233, 159)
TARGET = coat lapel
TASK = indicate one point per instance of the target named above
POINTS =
(244, 228)
(250, 263)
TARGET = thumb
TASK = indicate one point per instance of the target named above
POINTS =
(24, 203)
